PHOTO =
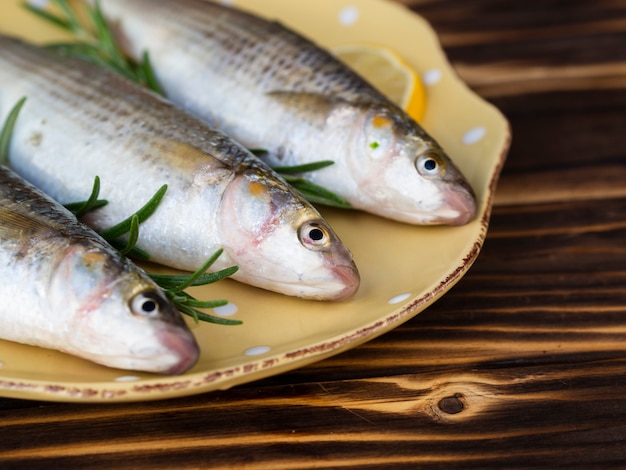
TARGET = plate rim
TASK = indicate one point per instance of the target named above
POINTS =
(163, 387)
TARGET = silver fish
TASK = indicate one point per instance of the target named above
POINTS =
(80, 121)
(63, 287)
(269, 87)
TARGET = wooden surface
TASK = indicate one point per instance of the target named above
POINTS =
(522, 364)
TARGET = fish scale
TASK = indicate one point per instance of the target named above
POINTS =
(269, 87)
(64, 287)
(251, 45)
(80, 121)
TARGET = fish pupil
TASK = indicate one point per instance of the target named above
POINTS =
(149, 306)
(316, 234)
(430, 164)
(146, 304)
(313, 236)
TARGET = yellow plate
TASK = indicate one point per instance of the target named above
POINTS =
(404, 268)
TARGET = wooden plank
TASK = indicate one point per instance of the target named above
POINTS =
(494, 417)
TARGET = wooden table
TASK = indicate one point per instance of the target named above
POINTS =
(522, 364)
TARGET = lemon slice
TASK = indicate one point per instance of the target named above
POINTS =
(389, 73)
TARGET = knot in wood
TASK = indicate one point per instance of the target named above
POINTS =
(452, 404)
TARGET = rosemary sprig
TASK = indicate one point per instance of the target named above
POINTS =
(133, 236)
(174, 286)
(129, 225)
(142, 214)
(7, 131)
(296, 169)
(96, 44)
(313, 192)
(81, 208)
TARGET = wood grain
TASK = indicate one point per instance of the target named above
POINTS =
(521, 365)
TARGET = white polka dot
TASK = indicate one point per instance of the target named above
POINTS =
(399, 298)
(432, 76)
(348, 15)
(228, 3)
(226, 310)
(126, 378)
(474, 135)
(1, 363)
(257, 350)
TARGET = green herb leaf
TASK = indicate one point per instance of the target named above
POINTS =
(147, 75)
(49, 17)
(72, 19)
(133, 235)
(258, 152)
(96, 43)
(92, 54)
(311, 191)
(194, 277)
(7, 131)
(187, 299)
(173, 281)
(81, 208)
(135, 253)
(197, 315)
(304, 168)
(173, 285)
(205, 304)
(75, 207)
(176, 283)
(317, 194)
(146, 211)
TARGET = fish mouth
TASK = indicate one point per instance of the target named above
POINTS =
(340, 284)
(459, 203)
(182, 346)
(345, 281)
(462, 200)
(351, 280)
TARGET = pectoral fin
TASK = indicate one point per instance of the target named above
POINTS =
(182, 157)
(307, 104)
(16, 225)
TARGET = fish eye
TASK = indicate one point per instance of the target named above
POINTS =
(146, 304)
(430, 164)
(314, 235)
